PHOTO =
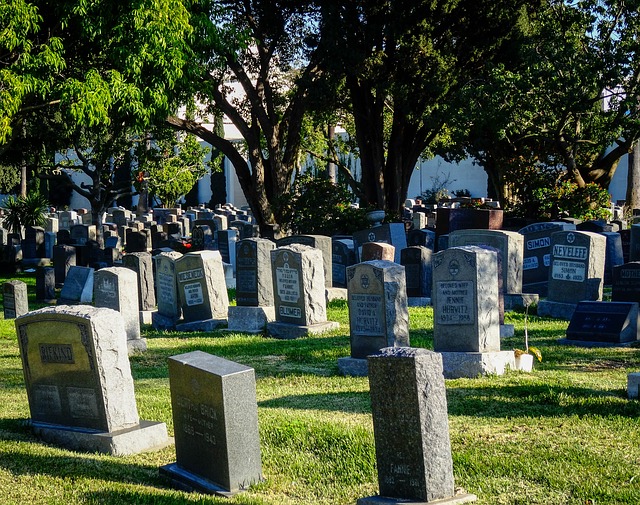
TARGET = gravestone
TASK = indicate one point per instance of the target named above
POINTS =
(33, 243)
(137, 240)
(116, 288)
(202, 238)
(417, 266)
(227, 245)
(215, 417)
(371, 251)
(78, 286)
(408, 397)
(625, 238)
(79, 383)
(389, 233)
(626, 282)
(576, 273)
(537, 255)
(603, 324)
(466, 325)
(378, 314)
(15, 300)
(45, 284)
(321, 242)
(342, 256)
(64, 257)
(142, 264)
(81, 233)
(169, 311)
(423, 237)
(613, 255)
(634, 246)
(254, 287)
(202, 291)
(299, 292)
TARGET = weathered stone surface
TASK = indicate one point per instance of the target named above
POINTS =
(15, 301)
(391, 233)
(78, 286)
(142, 264)
(215, 416)
(416, 261)
(408, 397)
(250, 319)
(371, 251)
(254, 282)
(166, 289)
(321, 242)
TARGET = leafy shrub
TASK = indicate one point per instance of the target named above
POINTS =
(25, 211)
(567, 199)
(317, 206)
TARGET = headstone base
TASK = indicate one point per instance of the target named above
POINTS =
(633, 385)
(203, 325)
(162, 322)
(289, 331)
(250, 319)
(136, 345)
(507, 330)
(590, 343)
(147, 436)
(418, 301)
(520, 300)
(146, 316)
(470, 365)
(556, 309)
(336, 294)
(385, 500)
(187, 481)
(355, 367)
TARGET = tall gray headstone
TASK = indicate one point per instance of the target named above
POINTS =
(576, 272)
(321, 242)
(142, 264)
(378, 314)
(215, 417)
(169, 311)
(411, 428)
(15, 300)
(466, 325)
(116, 288)
(79, 383)
(202, 291)
(299, 292)
(416, 261)
(254, 287)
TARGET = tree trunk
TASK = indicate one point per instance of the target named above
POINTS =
(633, 178)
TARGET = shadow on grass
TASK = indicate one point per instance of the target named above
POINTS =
(352, 402)
(539, 401)
(153, 498)
(22, 461)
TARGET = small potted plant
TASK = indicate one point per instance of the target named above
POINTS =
(524, 358)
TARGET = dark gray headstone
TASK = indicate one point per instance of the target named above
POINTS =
(64, 257)
(626, 282)
(45, 284)
(254, 282)
(408, 397)
(610, 322)
(342, 256)
(15, 300)
(78, 286)
(417, 265)
(166, 288)
(142, 264)
(391, 233)
(215, 417)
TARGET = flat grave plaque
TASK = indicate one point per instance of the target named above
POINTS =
(613, 322)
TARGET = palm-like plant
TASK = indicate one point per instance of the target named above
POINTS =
(24, 211)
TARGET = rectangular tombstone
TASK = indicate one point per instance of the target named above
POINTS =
(626, 282)
(142, 264)
(298, 285)
(613, 256)
(254, 283)
(417, 266)
(408, 397)
(166, 289)
(35, 235)
(378, 314)
(215, 416)
(78, 286)
(537, 254)
(625, 238)
(15, 300)
(227, 245)
(577, 266)
(377, 251)
(321, 242)
(45, 284)
(390, 233)
(342, 256)
(79, 382)
(138, 240)
(423, 237)
(202, 238)
(634, 243)
(49, 244)
(116, 288)
(474, 219)
(82, 233)
(609, 322)
(67, 219)
(511, 247)
(202, 290)
(465, 300)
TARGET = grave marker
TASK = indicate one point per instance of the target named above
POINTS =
(15, 301)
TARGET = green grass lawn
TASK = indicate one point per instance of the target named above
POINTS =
(565, 433)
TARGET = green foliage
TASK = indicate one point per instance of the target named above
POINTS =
(170, 166)
(9, 178)
(317, 206)
(567, 199)
(25, 211)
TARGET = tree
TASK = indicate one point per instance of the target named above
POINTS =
(171, 166)
(403, 65)
(256, 63)
(567, 100)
